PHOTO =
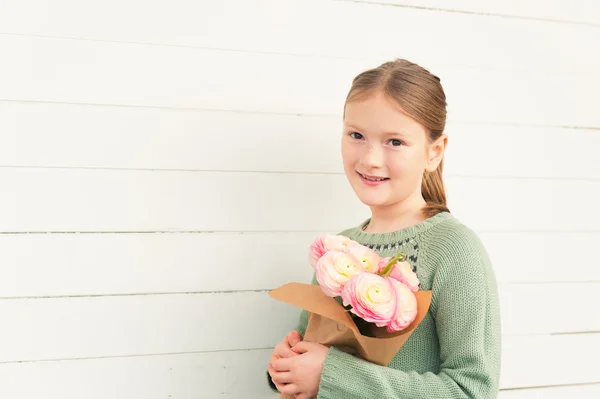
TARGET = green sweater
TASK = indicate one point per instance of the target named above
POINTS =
(455, 351)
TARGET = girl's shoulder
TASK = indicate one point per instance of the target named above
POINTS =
(453, 234)
(454, 245)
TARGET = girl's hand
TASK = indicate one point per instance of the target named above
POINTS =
(284, 350)
(300, 375)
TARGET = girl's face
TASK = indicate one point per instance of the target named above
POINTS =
(385, 152)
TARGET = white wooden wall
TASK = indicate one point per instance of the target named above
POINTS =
(157, 159)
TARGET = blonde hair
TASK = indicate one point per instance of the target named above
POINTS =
(420, 94)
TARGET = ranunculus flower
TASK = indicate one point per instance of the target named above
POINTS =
(368, 258)
(402, 271)
(372, 298)
(334, 269)
(406, 307)
(326, 243)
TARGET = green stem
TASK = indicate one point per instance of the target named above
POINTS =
(387, 270)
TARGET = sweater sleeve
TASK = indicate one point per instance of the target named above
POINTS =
(466, 313)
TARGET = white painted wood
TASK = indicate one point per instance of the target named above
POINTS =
(147, 138)
(579, 11)
(240, 374)
(554, 307)
(62, 328)
(591, 391)
(109, 200)
(97, 264)
(529, 361)
(524, 204)
(385, 32)
(84, 200)
(123, 137)
(511, 151)
(81, 327)
(144, 75)
(236, 375)
(543, 256)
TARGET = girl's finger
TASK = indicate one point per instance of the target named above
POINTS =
(290, 389)
(284, 377)
(283, 364)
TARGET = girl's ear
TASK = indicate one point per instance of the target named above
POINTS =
(436, 153)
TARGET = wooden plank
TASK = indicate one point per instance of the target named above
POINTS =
(280, 27)
(78, 200)
(81, 327)
(123, 137)
(74, 71)
(590, 391)
(511, 151)
(545, 360)
(96, 264)
(549, 308)
(60, 328)
(579, 11)
(543, 256)
(115, 200)
(36, 265)
(522, 204)
(240, 374)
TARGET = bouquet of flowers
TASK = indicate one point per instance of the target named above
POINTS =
(375, 290)
(364, 304)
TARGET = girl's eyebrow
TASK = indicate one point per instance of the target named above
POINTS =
(401, 132)
(351, 126)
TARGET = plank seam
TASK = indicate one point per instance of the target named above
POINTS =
(275, 113)
(135, 355)
(484, 14)
(577, 384)
(285, 172)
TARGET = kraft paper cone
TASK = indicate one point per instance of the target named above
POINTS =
(331, 325)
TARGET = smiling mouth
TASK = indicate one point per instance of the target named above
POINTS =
(373, 178)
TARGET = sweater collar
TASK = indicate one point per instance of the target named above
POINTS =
(362, 237)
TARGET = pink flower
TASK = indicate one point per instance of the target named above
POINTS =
(402, 271)
(406, 307)
(369, 259)
(372, 297)
(334, 269)
(383, 301)
(326, 243)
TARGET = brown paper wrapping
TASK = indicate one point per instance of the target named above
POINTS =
(331, 325)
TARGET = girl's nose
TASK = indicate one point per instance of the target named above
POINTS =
(373, 156)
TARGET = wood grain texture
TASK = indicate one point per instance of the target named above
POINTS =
(82, 327)
(94, 72)
(147, 138)
(36, 265)
(426, 36)
(240, 374)
(114, 200)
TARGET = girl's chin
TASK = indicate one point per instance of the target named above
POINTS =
(370, 199)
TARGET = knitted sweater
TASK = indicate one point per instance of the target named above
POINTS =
(455, 351)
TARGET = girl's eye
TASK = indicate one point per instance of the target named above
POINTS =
(356, 135)
(395, 142)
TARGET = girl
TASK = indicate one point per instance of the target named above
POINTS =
(392, 149)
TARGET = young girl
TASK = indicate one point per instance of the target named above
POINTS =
(393, 146)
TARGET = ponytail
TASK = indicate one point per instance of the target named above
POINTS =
(433, 192)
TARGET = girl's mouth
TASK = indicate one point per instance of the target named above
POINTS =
(372, 180)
